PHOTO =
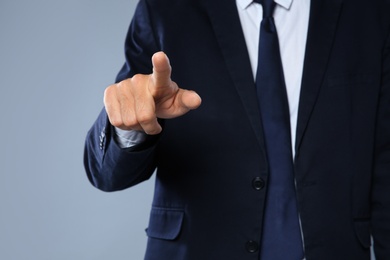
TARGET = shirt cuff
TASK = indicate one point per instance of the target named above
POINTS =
(129, 138)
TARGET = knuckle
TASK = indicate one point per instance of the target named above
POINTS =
(122, 88)
(109, 92)
(116, 121)
(145, 118)
(138, 79)
(153, 131)
(130, 122)
(155, 92)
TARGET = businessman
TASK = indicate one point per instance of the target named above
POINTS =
(268, 123)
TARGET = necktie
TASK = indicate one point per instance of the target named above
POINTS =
(281, 236)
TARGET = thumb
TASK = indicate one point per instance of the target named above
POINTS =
(189, 99)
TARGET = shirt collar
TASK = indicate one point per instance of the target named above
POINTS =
(284, 3)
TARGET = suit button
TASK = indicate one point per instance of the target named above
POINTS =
(258, 183)
(251, 246)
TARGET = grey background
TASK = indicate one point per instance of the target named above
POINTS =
(56, 59)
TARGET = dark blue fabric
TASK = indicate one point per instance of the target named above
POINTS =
(208, 160)
(281, 238)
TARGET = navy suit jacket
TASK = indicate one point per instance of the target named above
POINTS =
(212, 171)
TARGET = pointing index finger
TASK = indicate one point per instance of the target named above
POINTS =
(161, 70)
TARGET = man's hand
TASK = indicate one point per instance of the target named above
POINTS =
(136, 103)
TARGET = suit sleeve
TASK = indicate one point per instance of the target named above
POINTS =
(108, 166)
(380, 216)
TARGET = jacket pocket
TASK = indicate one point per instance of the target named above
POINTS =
(165, 223)
(363, 233)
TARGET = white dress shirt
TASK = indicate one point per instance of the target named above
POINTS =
(291, 20)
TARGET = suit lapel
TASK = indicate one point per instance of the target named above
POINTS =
(324, 16)
(227, 28)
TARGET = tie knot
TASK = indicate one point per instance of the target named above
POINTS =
(268, 7)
